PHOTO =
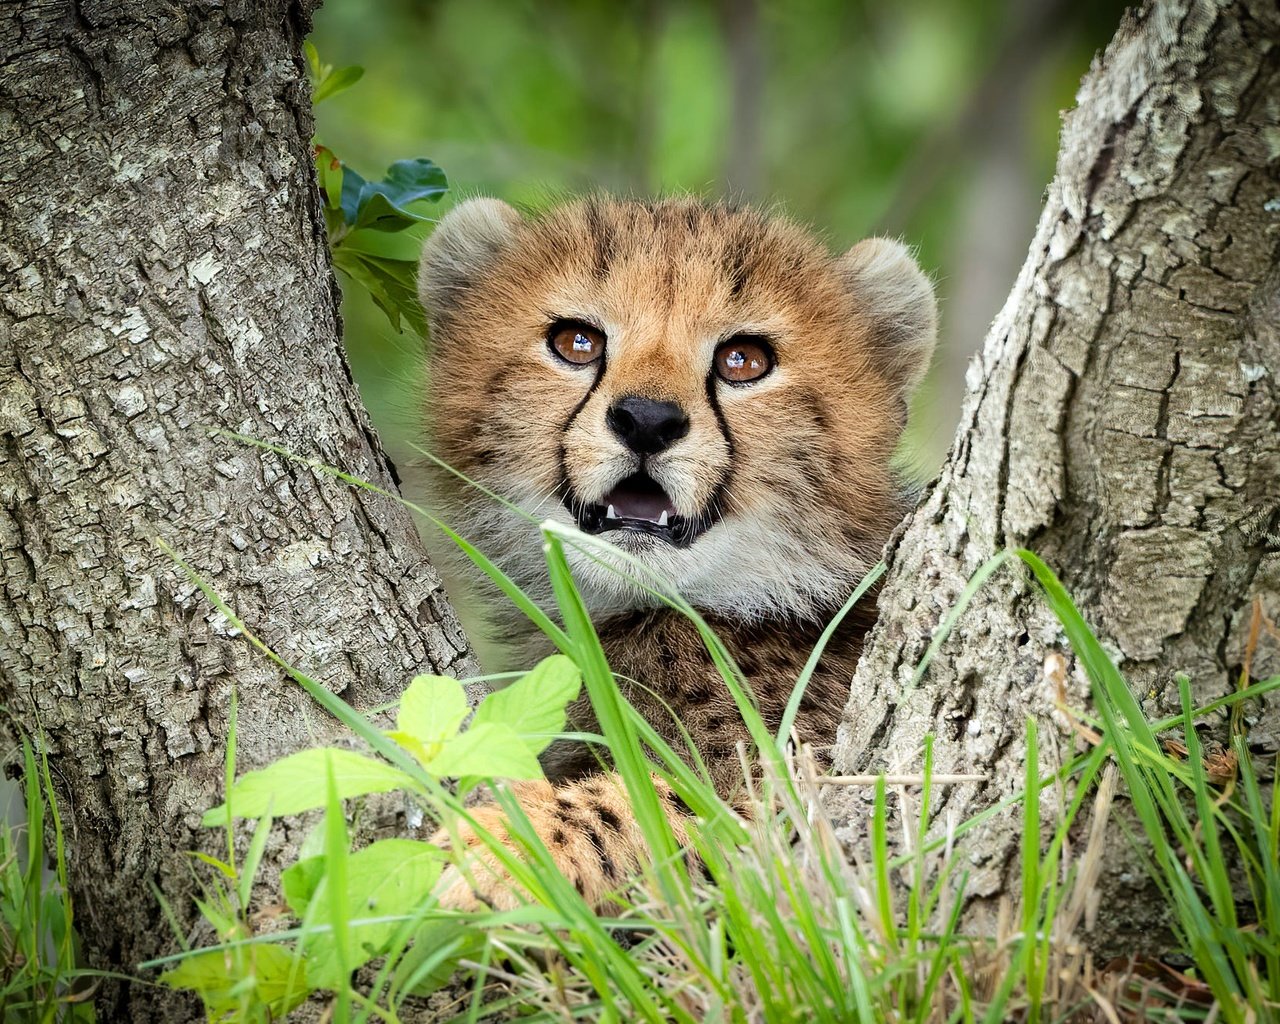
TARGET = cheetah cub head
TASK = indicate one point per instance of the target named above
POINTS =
(706, 387)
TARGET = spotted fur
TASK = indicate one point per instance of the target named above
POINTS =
(791, 471)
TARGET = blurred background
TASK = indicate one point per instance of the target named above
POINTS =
(932, 120)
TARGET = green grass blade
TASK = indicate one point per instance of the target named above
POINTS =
(976, 582)
(253, 857)
(1031, 882)
(1265, 838)
(1215, 871)
(1151, 787)
(880, 864)
(336, 848)
(811, 665)
(1230, 700)
(33, 924)
(615, 724)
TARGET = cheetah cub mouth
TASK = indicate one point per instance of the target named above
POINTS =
(639, 504)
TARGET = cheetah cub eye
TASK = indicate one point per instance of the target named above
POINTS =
(743, 359)
(576, 343)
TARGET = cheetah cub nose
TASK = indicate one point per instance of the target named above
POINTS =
(645, 425)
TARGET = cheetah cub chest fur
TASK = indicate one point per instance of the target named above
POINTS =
(716, 394)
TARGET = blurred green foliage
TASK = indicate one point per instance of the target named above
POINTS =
(856, 117)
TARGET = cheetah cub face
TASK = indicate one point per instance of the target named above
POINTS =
(706, 387)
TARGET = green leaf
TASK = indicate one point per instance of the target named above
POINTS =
(333, 907)
(381, 205)
(336, 82)
(432, 709)
(300, 882)
(378, 212)
(203, 972)
(220, 976)
(313, 60)
(353, 185)
(389, 283)
(296, 783)
(223, 920)
(490, 750)
(329, 173)
(408, 181)
(334, 225)
(420, 751)
(405, 246)
(402, 274)
(390, 878)
(253, 858)
(226, 869)
(534, 705)
(312, 844)
(433, 958)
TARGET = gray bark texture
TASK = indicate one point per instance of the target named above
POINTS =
(163, 271)
(1122, 421)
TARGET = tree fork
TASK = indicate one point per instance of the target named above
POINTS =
(1122, 420)
(165, 272)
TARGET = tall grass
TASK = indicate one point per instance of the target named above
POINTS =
(39, 977)
(768, 916)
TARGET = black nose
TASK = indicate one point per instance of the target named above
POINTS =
(647, 426)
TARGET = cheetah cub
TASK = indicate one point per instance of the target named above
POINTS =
(713, 392)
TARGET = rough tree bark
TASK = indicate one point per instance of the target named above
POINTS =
(1123, 421)
(163, 271)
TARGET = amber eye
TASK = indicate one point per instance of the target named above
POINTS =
(576, 343)
(743, 359)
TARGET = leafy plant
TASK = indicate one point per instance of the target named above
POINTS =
(325, 80)
(352, 907)
(371, 224)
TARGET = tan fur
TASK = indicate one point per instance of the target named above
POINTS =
(794, 466)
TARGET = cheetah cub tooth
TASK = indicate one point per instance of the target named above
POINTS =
(611, 514)
(662, 519)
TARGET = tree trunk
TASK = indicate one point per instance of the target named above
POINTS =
(163, 271)
(1121, 421)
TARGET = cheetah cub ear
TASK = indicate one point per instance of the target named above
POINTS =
(893, 293)
(464, 243)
